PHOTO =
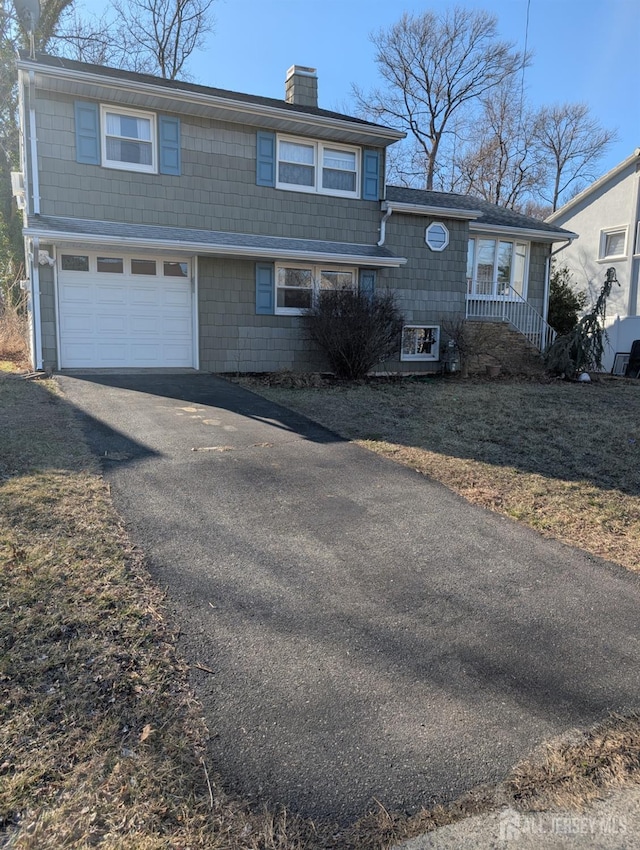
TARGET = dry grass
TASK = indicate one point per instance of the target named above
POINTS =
(101, 741)
(14, 347)
(563, 458)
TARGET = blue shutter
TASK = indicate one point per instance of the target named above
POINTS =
(264, 289)
(87, 133)
(265, 159)
(169, 138)
(367, 283)
(371, 175)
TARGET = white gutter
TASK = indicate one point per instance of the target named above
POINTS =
(212, 100)
(522, 232)
(216, 250)
(35, 303)
(34, 144)
(22, 120)
(383, 224)
(422, 209)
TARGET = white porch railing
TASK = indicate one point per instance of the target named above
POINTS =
(512, 308)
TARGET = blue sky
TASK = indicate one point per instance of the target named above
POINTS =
(583, 50)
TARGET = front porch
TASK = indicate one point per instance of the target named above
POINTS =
(510, 307)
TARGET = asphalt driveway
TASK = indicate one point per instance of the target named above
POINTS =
(371, 635)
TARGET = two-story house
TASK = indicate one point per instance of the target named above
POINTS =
(169, 224)
(606, 216)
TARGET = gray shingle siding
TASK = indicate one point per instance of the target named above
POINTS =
(216, 191)
(232, 337)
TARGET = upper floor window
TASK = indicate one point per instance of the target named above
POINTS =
(297, 286)
(128, 139)
(307, 166)
(613, 243)
(497, 268)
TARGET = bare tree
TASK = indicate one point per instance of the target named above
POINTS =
(502, 163)
(433, 66)
(162, 34)
(102, 41)
(573, 143)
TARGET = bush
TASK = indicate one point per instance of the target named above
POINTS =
(565, 304)
(356, 331)
(582, 348)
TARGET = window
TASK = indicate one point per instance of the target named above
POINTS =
(420, 342)
(128, 140)
(176, 270)
(298, 286)
(143, 266)
(437, 236)
(613, 243)
(307, 166)
(497, 268)
(112, 265)
(75, 263)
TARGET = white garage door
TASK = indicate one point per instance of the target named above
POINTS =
(124, 311)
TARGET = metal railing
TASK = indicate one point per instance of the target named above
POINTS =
(514, 309)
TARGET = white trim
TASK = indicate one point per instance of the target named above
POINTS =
(33, 140)
(153, 141)
(56, 305)
(422, 209)
(319, 146)
(603, 257)
(431, 358)
(315, 270)
(254, 109)
(35, 302)
(577, 199)
(195, 295)
(446, 236)
(522, 233)
(494, 296)
(131, 243)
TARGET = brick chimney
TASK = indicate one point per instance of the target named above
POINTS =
(301, 86)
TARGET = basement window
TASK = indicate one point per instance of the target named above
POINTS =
(420, 342)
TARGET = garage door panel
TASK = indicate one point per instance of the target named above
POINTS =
(174, 297)
(176, 325)
(146, 325)
(110, 294)
(147, 296)
(111, 325)
(120, 321)
(77, 324)
(76, 293)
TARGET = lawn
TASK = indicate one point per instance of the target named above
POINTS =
(101, 741)
(560, 457)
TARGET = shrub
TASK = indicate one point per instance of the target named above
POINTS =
(355, 330)
(582, 348)
(565, 304)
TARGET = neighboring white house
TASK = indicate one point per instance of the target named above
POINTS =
(606, 217)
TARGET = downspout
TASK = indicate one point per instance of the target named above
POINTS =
(35, 303)
(383, 224)
(547, 277)
(35, 181)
